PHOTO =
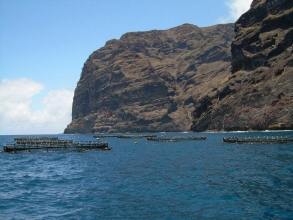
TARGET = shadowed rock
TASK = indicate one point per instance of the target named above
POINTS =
(260, 94)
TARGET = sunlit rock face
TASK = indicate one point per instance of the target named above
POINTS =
(151, 81)
(259, 92)
(186, 77)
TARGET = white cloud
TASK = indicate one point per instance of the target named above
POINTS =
(17, 115)
(236, 9)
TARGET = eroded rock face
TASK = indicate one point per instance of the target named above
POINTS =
(263, 35)
(184, 78)
(152, 81)
(259, 92)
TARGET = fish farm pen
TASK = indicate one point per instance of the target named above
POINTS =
(129, 136)
(175, 139)
(52, 143)
(105, 135)
(136, 136)
(258, 140)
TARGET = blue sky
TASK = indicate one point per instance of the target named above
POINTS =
(47, 41)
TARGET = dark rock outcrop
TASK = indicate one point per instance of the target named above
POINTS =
(152, 81)
(259, 92)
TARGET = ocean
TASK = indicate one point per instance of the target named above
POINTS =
(139, 179)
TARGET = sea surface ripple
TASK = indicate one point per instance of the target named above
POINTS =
(149, 180)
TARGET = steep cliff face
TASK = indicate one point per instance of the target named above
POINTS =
(259, 92)
(151, 81)
(264, 36)
(185, 78)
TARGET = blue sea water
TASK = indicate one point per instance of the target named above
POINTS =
(149, 180)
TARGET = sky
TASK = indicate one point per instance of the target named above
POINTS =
(43, 45)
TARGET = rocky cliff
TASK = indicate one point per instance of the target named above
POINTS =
(186, 77)
(151, 81)
(259, 92)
